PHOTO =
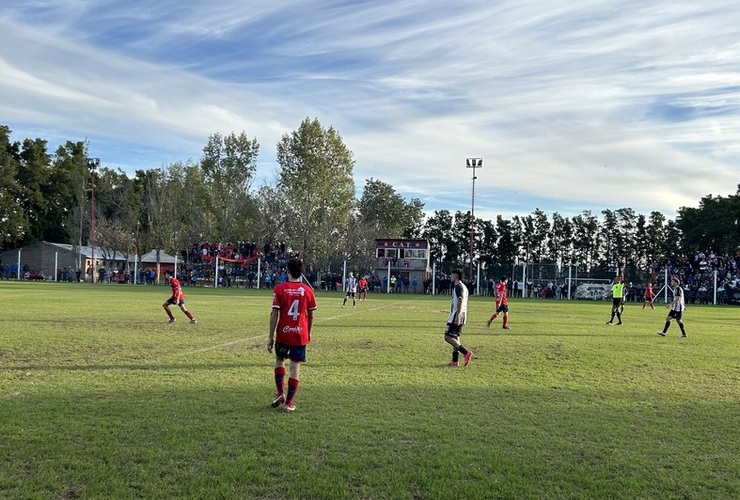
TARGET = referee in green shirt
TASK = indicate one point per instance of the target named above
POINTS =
(617, 294)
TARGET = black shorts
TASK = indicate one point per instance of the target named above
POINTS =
(453, 330)
(616, 302)
(503, 308)
(350, 294)
(675, 315)
(173, 301)
(295, 353)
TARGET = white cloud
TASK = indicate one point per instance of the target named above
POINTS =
(588, 105)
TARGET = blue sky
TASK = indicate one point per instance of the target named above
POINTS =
(573, 105)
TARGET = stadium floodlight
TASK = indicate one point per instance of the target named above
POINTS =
(473, 163)
(92, 165)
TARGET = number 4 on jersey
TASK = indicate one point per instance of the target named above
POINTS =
(293, 311)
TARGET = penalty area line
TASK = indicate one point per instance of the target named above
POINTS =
(249, 339)
(332, 318)
(219, 346)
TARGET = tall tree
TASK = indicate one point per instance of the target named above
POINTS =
(487, 239)
(609, 237)
(13, 220)
(508, 243)
(385, 212)
(117, 212)
(541, 234)
(585, 240)
(66, 193)
(656, 238)
(626, 236)
(715, 224)
(444, 248)
(229, 164)
(560, 240)
(381, 213)
(269, 222)
(33, 178)
(316, 178)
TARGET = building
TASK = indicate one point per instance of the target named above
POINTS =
(405, 260)
(44, 259)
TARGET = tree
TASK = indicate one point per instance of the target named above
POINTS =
(585, 240)
(13, 220)
(384, 211)
(316, 180)
(117, 199)
(33, 178)
(269, 221)
(715, 224)
(486, 240)
(541, 234)
(560, 240)
(508, 243)
(66, 193)
(229, 164)
(381, 213)
(415, 217)
(156, 210)
(533, 231)
(444, 249)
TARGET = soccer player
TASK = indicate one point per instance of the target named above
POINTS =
(648, 296)
(362, 285)
(293, 304)
(677, 307)
(456, 320)
(616, 295)
(350, 287)
(178, 298)
(502, 303)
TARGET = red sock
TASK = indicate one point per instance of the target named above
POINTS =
(292, 389)
(169, 313)
(190, 316)
(279, 377)
(506, 319)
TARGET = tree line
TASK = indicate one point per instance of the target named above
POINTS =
(313, 209)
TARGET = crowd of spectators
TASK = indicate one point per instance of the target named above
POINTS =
(206, 251)
(241, 264)
(697, 274)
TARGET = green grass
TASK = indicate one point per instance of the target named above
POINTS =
(100, 398)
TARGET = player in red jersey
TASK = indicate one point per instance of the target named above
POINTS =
(178, 298)
(648, 297)
(362, 285)
(502, 302)
(293, 304)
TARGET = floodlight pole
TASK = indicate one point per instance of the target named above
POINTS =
(92, 165)
(472, 163)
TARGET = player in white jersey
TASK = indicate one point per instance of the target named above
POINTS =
(457, 319)
(677, 307)
(350, 287)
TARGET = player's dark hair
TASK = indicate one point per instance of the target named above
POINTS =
(295, 267)
(504, 278)
(458, 272)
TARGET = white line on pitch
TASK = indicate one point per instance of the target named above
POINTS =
(239, 341)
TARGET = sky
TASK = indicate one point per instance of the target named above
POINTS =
(573, 106)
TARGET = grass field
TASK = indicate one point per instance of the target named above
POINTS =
(100, 398)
